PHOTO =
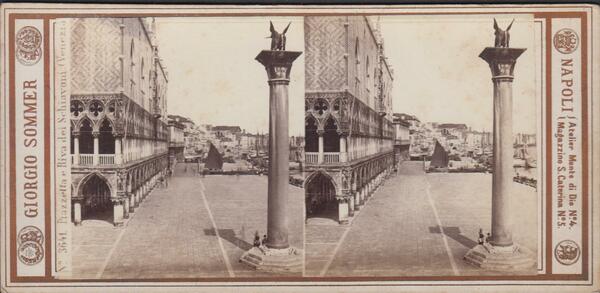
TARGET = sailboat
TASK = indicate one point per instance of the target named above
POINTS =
(439, 159)
(214, 159)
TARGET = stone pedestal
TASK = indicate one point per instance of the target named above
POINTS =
(514, 258)
(343, 210)
(117, 212)
(281, 261)
(501, 253)
(277, 255)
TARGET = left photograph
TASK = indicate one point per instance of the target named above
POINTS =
(187, 144)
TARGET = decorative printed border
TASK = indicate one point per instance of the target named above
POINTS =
(583, 16)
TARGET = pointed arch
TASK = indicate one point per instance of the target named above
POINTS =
(311, 137)
(320, 196)
(331, 137)
(85, 180)
(96, 192)
(85, 128)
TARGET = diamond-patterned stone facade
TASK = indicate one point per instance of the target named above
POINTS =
(95, 50)
(325, 41)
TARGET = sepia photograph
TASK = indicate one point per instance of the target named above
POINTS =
(420, 162)
(286, 148)
(183, 153)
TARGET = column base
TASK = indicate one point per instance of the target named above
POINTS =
(282, 261)
(515, 258)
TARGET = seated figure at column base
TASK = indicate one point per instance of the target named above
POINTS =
(282, 261)
(516, 259)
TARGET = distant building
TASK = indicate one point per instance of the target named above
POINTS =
(176, 142)
(402, 137)
(414, 122)
(349, 133)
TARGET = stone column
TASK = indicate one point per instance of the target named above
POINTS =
(343, 150)
(351, 203)
(362, 195)
(501, 253)
(117, 211)
(321, 155)
(502, 62)
(278, 65)
(138, 196)
(77, 211)
(277, 255)
(95, 157)
(126, 207)
(118, 151)
(76, 148)
(356, 193)
(342, 210)
(131, 197)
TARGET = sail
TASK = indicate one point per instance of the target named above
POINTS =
(439, 159)
(214, 160)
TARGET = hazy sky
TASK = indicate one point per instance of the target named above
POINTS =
(213, 77)
(440, 78)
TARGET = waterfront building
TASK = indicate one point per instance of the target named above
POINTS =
(119, 132)
(402, 140)
(176, 142)
(349, 135)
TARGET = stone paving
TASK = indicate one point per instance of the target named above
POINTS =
(397, 232)
(171, 234)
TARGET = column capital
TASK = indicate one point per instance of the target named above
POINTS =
(77, 199)
(117, 200)
(75, 133)
(501, 61)
(278, 64)
(343, 132)
(95, 133)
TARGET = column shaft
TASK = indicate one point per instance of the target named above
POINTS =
(343, 150)
(277, 231)
(76, 150)
(503, 161)
(118, 151)
(320, 157)
(96, 150)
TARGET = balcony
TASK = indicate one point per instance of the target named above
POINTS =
(331, 158)
(311, 158)
(106, 159)
(328, 158)
(88, 160)
(84, 159)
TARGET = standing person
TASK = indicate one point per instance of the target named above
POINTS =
(256, 239)
(480, 240)
(264, 240)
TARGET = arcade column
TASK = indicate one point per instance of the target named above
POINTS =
(277, 255)
(501, 253)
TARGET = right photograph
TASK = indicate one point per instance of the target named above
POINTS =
(421, 146)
